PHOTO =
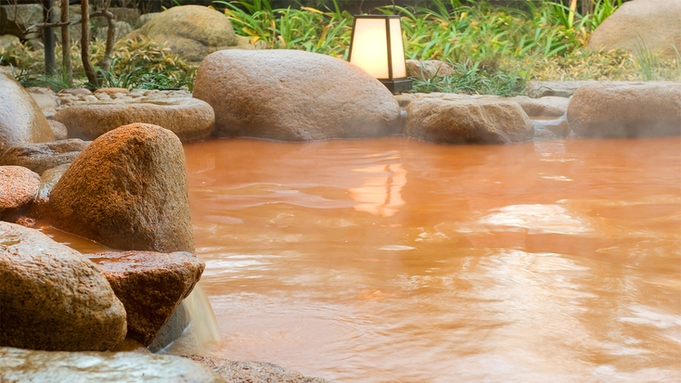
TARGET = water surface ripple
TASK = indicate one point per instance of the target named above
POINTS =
(392, 260)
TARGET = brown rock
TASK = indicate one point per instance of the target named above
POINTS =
(428, 69)
(40, 157)
(111, 91)
(190, 31)
(294, 95)
(18, 187)
(59, 130)
(542, 108)
(21, 120)
(102, 367)
(48, 179)
(151, 285)
(127, 190)
(626, 109)
(641, 25)
(53, 298)
(246, 372)
(468, 121)
(190, 119)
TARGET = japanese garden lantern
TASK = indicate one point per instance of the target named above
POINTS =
(377, 47)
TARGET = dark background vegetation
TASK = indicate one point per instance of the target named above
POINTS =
(353, 6)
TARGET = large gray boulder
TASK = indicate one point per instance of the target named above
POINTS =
(468, 121)
(626, 109)
(294, 95)
(127, 190)
(18, 365)
(192, 32)
(641, 24)
(53, 298)
(21, 120)
(190, 119)
(151, 286)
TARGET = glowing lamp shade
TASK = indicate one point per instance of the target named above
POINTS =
(377, 47)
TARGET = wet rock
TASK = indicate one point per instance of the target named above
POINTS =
(127, 190)
(536, 89)
(468, 121)
(653, 25)
(190, 119)
(48, 179)
(192, 328)
(428, 69)
(232, 371)
(18, 187)
(294, 95)
(626, 109)
(53, 298)
(190, 31)
(21, 120)
(151, 286)
(40, 157)
(18, 365)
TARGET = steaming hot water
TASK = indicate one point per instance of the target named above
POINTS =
(393, 260)
(390, 259)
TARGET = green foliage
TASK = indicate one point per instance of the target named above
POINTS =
(493, 49)
(141, 63)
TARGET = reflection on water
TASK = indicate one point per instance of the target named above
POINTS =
(392, 260)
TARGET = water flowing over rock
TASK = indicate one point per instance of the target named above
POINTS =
(151, 285)
(233, 371)
(18, 365)
(640, 26)
(21, 120)
(18, 187)
(190, 119)
(53, 298)
(294, 95)
(127, 190)
(190, 31)
(468, 121)
(621, 109)
(44, 156)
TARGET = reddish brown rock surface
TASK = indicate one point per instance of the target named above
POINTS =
(151, 285)
(468, 121)
(18, 188)
(127, 190)
(52, 297)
